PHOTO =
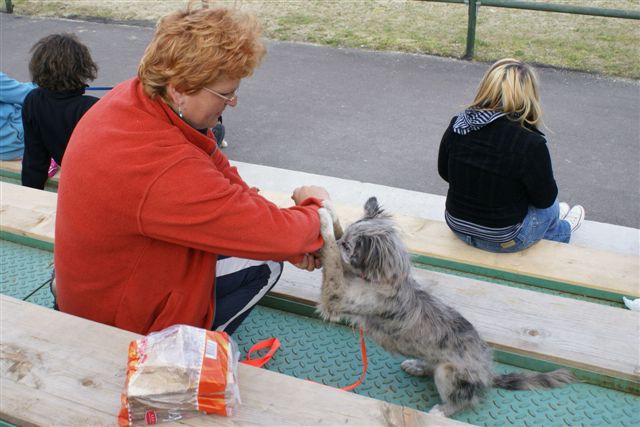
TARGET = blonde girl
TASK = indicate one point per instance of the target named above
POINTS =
(502, 195)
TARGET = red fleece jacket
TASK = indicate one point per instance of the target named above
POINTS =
(145, 205)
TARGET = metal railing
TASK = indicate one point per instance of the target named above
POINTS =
(474, 6)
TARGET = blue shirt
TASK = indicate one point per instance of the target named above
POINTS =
(12, 94)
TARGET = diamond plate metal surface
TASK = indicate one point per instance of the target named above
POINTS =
(23, 269)
(42, 297)
(330, 354)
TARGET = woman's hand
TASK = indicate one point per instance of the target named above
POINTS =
(310, 262)
(300, 194)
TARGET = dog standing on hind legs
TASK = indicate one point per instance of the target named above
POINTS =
(366, 279)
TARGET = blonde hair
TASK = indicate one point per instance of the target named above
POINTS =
(511, 86)
(194, 48)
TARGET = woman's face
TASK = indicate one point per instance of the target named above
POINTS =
(202, 109)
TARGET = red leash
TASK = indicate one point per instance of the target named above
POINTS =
(274, 344)
(363, 349)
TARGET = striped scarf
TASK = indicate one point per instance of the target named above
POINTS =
(470, 120)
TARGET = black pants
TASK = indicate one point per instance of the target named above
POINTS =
(240, 284)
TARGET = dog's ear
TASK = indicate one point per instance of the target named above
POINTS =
(372, 209)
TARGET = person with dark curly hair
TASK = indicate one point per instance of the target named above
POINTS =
(61, 66)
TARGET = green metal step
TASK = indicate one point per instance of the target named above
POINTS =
(330, 354)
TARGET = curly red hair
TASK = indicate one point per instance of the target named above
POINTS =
(195, 48)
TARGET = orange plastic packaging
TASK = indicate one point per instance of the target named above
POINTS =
(177, 373)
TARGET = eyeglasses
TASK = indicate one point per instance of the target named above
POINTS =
(227, 99)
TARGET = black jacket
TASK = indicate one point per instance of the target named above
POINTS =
(496, 172)
(49, 119)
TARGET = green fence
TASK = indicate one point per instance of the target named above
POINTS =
(474, 6)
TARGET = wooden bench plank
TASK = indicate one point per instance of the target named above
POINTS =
(560, 266)
(51, 377)
(12, 168)
(586, 268)
(28, 212)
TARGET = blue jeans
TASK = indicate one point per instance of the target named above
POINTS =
(537, 225)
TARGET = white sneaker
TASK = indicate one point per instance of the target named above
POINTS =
(575, 216)
(564, 209)
(224, 143)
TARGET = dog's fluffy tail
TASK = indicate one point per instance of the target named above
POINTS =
(526, 381)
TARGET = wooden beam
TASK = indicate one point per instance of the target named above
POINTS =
(568, 268)
(28, 212)
(52, 377)
(13, 169)
(549, 264)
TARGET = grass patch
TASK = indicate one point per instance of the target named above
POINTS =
(609, 46)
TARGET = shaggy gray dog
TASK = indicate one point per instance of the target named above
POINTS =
(367, 280)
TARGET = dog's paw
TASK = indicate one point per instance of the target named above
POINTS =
(437, 411)
(327, 315)
(328, 205)
(326, 223)
(337, 228)
(324, 314)
(416, 367)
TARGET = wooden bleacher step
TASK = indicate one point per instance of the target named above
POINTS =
(585, 271)
(11, 168)
(52, 377)
(27, 212)
(545, 327)
(559, 266)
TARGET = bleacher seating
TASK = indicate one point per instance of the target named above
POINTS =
(551, 328)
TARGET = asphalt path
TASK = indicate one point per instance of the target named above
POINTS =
(378, 117)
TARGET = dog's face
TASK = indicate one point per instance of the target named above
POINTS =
(371, 247)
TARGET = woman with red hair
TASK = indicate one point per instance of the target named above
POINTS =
(154, 227)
